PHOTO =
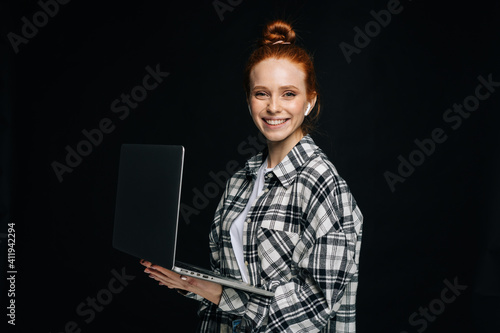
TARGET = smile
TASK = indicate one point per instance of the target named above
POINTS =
(275, 122)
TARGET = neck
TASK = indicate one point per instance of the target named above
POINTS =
(278, 150)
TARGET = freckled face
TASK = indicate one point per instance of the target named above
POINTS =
(278, 100)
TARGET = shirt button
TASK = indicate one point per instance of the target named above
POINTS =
(248, 221)
(246, 263)
(266, 190)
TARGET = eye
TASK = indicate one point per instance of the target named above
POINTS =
(260, 94)
(289, 94)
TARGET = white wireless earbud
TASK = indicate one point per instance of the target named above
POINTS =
(308, 108)
(249, 109)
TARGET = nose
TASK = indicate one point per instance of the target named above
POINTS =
(274, 105)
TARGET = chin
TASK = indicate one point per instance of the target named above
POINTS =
(273, 137)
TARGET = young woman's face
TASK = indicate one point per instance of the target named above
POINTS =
(278, 100)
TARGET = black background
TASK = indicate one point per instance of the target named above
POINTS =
(440, 224)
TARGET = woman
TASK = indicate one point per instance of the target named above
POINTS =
(286, 221)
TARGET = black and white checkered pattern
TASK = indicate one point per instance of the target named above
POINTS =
(301, 239)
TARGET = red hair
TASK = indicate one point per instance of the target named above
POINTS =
(283, 33)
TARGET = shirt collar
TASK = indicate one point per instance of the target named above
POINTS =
(287, 169)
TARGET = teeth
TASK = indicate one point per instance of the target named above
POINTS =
(275, 122)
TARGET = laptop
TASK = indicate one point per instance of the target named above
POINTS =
(147, 210)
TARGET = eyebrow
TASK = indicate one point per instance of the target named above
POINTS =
(282, 87)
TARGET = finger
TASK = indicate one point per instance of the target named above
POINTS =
(164, 276)
(154, 272)
(160, 271)
(178, 281)
(145, 263)
(163, 280)
(164, 271)
(150, 267)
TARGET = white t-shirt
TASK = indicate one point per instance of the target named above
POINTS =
(236, 230)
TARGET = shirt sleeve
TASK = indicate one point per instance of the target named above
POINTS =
(326, 255)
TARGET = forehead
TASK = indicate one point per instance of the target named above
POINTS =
(277, 72)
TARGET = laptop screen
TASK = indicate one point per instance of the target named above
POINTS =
(147, 201)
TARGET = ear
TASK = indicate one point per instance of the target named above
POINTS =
(313, 101)
(307, 109)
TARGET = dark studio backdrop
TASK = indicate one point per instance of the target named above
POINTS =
(410, 95)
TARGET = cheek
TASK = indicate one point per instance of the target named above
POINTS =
(254, 112)
(256, 108)
(297, 109)
(257, 105)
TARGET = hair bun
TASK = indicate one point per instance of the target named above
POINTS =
(277, 31)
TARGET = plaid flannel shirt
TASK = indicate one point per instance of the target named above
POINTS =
(301, 239)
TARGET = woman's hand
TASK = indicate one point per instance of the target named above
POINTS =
(209, 290)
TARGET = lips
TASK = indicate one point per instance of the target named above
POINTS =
(275, 122)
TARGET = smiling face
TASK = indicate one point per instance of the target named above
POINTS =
(278, 101)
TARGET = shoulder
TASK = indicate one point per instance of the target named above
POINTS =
(325, 195)
(319, 174)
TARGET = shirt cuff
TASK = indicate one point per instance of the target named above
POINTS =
(233, 301)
